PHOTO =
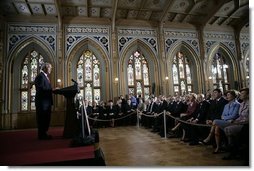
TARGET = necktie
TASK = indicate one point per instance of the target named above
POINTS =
(48, 79)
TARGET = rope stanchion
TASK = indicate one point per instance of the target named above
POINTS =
(190, 123)
(137, 118)
(165, 126)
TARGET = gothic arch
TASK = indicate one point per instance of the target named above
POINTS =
(196, 66)
(14, 62)
(245, 71)
(230, 59)
(72, 59)
(150, 57)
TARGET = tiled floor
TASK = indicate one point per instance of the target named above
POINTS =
(133, 146)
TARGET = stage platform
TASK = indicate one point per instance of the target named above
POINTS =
(22, 148)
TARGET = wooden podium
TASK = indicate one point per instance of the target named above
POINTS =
(71, 126)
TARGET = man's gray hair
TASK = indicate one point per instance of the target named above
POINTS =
(45, 65)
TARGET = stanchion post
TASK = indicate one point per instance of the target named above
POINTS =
(165, 126)
(137, 118)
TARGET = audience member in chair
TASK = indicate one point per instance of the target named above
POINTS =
(229, 114)
(199, 117)
(217, 103)
(235, 130)
(192, 106)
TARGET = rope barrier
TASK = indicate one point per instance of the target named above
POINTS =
(186, 122)
(108, 120)
(199, 124)
(139, 113)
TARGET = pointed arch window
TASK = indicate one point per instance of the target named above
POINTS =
(29, 70)
(247, 65)
(220, 72)
(138, 75)
(89, 76)
(181, 74)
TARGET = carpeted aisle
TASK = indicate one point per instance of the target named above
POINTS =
(23, 148)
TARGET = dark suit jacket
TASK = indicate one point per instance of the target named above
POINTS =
(216, 108)
(43, 97)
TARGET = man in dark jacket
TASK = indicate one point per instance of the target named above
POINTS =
(43, 101)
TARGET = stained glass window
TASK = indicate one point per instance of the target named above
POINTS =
(89, 76)
(182, 74)
(247, 72)
(220, 72)
(138, 75)
(29, 70)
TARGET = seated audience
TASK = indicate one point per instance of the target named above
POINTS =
(238, 130)
(230, 113)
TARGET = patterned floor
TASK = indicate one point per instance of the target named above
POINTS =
(133, 146)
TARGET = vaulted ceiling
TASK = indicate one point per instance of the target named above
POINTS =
(234, 13)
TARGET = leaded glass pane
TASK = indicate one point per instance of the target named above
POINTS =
(41, 61)
(138, 68)
(175, 74)
(96, 75)
(146, 92)
(226, 87)
(247, 71)
(145, 74)
(97, 95)
(33, 92)
(176, 88)
(219, 69)
(88, 93)
(24, 100)
(188, 74)
(88, 69)
(189, 89)
(181, 66)
(34, 65)
(183, 86)
(225, 67)
(139, 88)
(80, 75)
(131, 91)
(24, 81)
(130, 75)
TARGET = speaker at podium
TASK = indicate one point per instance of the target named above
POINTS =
(71, 125)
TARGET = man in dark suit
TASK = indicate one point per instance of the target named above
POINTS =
(43, 101)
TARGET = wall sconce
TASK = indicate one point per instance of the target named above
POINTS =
(210, 77)
(116, 80)
(166, 78)
(59, 81)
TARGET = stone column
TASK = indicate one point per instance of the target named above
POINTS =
(115, 59)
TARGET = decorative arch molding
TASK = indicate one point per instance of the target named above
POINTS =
(127, 36)
(213, 38)
(153, 63)
(94, 47)
(196, 65)
(13, 68)
(229, 57)
(77, 33)
(19, 33)
(174, 37)
(245, 44)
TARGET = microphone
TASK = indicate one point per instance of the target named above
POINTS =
(74, 81)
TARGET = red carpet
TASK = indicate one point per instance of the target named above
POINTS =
(23, 148)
